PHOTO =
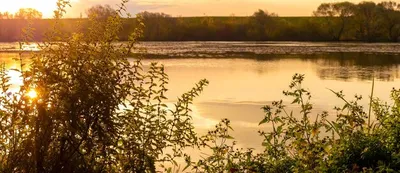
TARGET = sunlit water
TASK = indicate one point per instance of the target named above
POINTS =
(246, 76)
(240, 87)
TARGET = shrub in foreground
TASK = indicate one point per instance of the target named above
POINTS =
(83, 106)
(356, 141)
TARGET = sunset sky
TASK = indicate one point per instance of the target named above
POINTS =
(181, 7)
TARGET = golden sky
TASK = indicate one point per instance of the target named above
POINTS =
(181, 7)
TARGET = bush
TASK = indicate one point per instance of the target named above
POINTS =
(85, 107)
(304, 142)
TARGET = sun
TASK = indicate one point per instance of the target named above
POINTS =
(47, 7)
(32, 94)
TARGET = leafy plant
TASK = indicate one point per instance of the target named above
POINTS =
(84, 106)
(303, 141)
(316, 144)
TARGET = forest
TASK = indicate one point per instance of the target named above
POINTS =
(339, 21)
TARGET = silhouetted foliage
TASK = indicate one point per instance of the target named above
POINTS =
(262, 25)
(27, 13)
(337, 17)
(390, 16)
(102, 12)
(367, 21)
(6, 15)
(306, 141)
(159, 26)
(339, 21)
(93, 109)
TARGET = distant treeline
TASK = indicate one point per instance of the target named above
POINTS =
(342, 21)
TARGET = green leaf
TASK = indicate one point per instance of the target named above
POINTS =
(229, 137)
(187, 166)
(265, 120)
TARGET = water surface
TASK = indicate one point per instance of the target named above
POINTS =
(240, 87)
(244, 76)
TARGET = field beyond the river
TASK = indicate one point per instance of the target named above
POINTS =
(202, 29)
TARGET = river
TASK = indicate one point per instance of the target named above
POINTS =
(244, 76)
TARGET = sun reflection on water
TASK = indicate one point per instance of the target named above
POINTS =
(15, 77)
(199, 121)
(15, 81)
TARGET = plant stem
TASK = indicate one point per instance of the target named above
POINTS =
(370, 104)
